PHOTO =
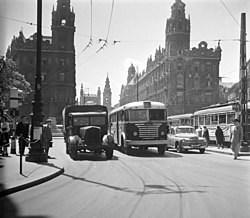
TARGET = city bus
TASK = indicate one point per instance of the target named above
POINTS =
(140, 125)
(218, 115)
(181, 119)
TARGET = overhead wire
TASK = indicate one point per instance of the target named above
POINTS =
(229, 12)
(91, 27)
(106, 40)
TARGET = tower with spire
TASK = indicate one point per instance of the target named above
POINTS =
(107, 94)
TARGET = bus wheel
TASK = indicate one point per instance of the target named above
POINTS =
(179, 148)
(202, 150)
(161, 150)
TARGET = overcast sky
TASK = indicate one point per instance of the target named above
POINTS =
(138, 25)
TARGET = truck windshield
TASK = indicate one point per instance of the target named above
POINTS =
(86, 121)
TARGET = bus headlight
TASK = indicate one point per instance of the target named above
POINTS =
(162, 133)
(135, 133)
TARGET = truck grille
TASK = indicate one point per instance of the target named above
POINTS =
(148, 131)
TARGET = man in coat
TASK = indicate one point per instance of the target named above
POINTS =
(22, 130)
(236, 137)
(47, 136)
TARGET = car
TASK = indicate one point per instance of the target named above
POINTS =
(184, 138)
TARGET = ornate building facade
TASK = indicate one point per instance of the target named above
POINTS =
(184, 79)
(58, 62)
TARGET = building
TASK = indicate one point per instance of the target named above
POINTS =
(87, 98)
(58, 62)
(184, 79)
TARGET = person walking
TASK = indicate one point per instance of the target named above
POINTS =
(206, 134)
(219, 137)
(47, 137)
(236, 137)
(5, 129)
(22, 130)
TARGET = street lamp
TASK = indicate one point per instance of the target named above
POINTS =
(36, 152)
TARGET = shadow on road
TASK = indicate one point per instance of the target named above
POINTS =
(151, 152)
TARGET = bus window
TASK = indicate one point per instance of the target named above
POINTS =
(156, 114)
(214, 119)
(230, 118)
(207, 119)
(138, 115)
(222, 118)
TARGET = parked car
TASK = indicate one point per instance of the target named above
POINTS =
(184, 138)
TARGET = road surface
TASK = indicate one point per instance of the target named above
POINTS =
(142, 184)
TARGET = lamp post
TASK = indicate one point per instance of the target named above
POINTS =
(36, 152)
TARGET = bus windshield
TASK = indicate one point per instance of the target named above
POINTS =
(141, 115)
(138, 115)
(156, 114)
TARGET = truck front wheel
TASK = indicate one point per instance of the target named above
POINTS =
(109, 153)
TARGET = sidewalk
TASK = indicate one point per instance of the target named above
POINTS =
(225, 150)
(14, 178)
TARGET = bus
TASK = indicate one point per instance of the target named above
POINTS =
(181, 119)
(218, 115)
(140, 125)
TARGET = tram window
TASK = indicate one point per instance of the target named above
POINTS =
(230, 118)
(207, 120)
(201, 120)
(214, 119)
(222, 118)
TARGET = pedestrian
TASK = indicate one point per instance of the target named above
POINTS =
(47, 137)
(22, 131)
(199, 131)
(5, 130)
(236, 137)
(219, 137)
(206, 134)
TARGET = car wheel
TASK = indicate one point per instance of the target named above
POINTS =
(202, 150)
(179, 148)
(161, 150)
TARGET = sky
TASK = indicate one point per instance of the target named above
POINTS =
(137, 26)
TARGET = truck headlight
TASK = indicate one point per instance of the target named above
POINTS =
(108, 139)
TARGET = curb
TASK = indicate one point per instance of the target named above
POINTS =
(31, 184)
(227, 152)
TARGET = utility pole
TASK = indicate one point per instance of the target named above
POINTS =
(243, 81)
(36, 152)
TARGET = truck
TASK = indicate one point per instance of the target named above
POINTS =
(86, 129)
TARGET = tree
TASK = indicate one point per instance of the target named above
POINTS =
(9, 78)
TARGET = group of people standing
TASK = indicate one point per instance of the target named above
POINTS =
(236, 137)
(22, 132)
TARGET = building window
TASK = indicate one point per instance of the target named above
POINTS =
(63, 22)
(61, 77)
(179, 67)
(196, 80)
(44, 61)
(43, 76)
(179, 81)
(209, 81)
(62, 62)
(208, 67)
